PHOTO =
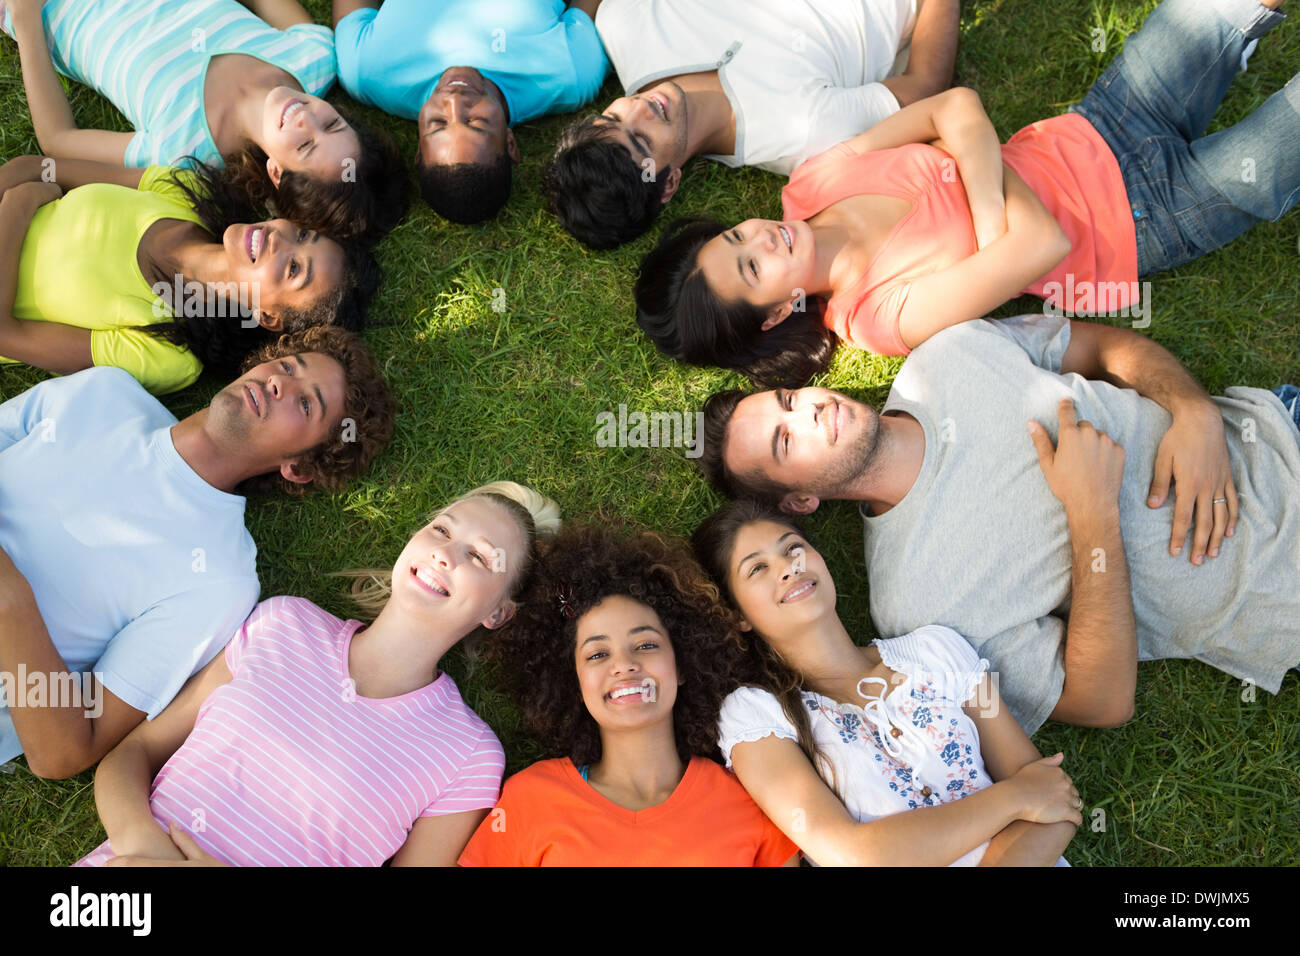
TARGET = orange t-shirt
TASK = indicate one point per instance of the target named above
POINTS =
(1063, 160)
(549, 816)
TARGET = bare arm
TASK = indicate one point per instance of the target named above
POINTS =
(933, 53)
(787, 788)
(343, 7)
(1032, 245)
(1084, 473)
(56, 129)
(438, 841)
(67, 173)
(52, 346)
(124, 778)
(589, 7)
(1006, 750)
(280, 14)
(60, 738)
(1194, 452)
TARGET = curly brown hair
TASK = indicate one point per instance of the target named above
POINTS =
(368, 411)
(594, 563)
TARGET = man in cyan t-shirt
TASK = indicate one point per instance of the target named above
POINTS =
(123, 552)
(764, 83)
(466, 71)
(974, 522)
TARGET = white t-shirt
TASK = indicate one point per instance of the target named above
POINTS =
(141, 569)
(801, 76)
(934, 757)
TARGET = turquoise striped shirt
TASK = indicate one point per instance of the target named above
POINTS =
(150, 58)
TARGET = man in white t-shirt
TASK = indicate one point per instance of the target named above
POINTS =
(123, 552)
(764, 83)
(973, 523)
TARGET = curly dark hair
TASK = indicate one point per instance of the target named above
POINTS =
(221, 341)
(365, 206)
(466, 193)
(594, 563)
(368, 404)
(596, 189)
(687, 321)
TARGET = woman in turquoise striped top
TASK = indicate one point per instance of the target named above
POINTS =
(212, 79)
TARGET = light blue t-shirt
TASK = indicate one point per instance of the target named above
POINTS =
(150, 58)
(141, 569)
(544, 57)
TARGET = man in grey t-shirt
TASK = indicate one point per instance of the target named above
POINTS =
(964, 528)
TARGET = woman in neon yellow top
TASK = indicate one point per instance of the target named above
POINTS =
(154, 272)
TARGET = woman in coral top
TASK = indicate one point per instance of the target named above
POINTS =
(925, 221)
(620, 661)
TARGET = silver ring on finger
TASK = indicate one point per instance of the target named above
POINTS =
(1220, 501)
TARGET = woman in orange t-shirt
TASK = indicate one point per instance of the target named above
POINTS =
(620, 657)
(925, 220)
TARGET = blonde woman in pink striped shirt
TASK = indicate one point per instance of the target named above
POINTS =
(317, 741)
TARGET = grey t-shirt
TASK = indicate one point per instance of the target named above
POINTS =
(980, 543)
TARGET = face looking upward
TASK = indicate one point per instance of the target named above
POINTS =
(811, 440)
(280, 265)
(764, 263)
(626, 666)
(459, 568)
(278, 410)
(463, 121)
(304, 134)
(779, 582)
(652, 127)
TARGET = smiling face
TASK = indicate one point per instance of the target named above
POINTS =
(808, 440)
(460, 567)
(779, 582)
(284, 266)
(626, 666)
(277, 410)
(464, 121)
(764, 263)
(651, 125)
(304, 134)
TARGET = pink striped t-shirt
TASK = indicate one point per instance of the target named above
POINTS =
(288, 766)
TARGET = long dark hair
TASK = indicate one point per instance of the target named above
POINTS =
(687, 321)
(714, 542)
(220, 341)
(366, 208)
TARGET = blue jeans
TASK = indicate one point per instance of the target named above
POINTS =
(1191, 193)
(1290, 396)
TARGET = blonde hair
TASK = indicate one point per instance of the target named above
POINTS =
(537, 514)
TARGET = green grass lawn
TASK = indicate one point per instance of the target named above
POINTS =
(1200, 776)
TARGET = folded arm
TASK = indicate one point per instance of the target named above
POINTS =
(933, 53)
(56, 128)
(52, 346)
(1194, 452)
(60, 738)
(125, 777)
(784, 784)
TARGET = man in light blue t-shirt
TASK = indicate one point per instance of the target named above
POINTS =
(466, 71)
(124, 562)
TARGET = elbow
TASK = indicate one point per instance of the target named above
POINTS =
(57, 766)
(1106, 715)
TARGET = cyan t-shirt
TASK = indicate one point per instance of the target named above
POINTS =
(142, 571)
(544, 57)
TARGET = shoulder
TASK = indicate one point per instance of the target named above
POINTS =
(938, 652)
(749, 714)
(544, 776)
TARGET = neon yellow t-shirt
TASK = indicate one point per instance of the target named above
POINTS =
(79, 267)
